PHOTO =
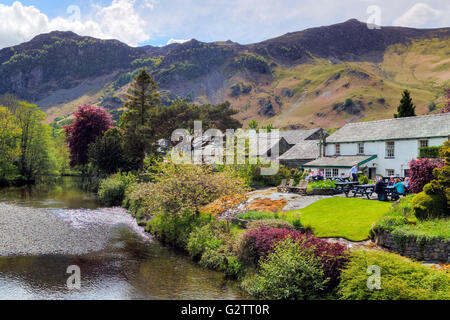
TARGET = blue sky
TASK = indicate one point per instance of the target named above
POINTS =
(157, 22)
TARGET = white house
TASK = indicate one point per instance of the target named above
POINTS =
(381, 147)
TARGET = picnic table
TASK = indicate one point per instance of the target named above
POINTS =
(345, 186)
(362, 189)
(342, 179)
(391, 192)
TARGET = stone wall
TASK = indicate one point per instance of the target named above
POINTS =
(437, 250)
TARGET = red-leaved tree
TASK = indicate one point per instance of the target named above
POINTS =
(446, 108)
(421, 173)
(90, 123)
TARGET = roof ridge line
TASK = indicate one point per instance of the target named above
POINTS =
(398, 119)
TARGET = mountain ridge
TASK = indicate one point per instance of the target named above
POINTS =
(267, 80)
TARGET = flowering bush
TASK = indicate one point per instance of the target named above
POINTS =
(421, 172)
(258, 243)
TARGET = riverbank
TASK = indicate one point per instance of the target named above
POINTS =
(31, 231)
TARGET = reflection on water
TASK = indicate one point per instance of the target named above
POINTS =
(130, 267)
(65, 192)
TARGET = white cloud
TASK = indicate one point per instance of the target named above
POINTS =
(120, 20)
(243, 21)
(417, 16)
(172, 41)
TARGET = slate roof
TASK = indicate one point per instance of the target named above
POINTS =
(341, 161)
(307, 149)
(429, 126)
(294, 136)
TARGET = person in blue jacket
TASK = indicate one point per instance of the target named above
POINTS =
(399, 187)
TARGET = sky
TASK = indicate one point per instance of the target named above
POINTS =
(159, 22)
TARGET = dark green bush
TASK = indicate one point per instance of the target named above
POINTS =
(290, 272)
(112, 190)
(429, 152)
(401, 279)
(429, 206)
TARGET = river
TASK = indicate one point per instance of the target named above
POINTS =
(125, 263)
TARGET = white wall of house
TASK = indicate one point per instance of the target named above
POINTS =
(404, 151)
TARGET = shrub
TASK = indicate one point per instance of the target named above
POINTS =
(401, 279)
(255, 215)
(291, 271)
(421, 172)
(270, 223)
(202, 239)
(363, 179)
(112, 190)
(220, 259)
(175, 229)
(258, 243)
(270, 180)
(292, 218)
(429, 206)
(429, 152)
(324, 185)
(184, 187)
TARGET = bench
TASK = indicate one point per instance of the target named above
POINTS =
(290, 188)
(364, 190)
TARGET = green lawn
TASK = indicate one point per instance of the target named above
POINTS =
(343, 217)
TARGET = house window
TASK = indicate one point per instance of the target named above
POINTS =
(360, 148)
(328, 173)
(338, 150)
(423, 143)
(390, 172)
(390, 149)
(406, 171)
(335, 172)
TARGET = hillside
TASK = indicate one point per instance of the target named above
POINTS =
(324, 76)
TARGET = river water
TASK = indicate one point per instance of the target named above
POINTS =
(129, 265)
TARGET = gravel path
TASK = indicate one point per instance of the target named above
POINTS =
(27, 231)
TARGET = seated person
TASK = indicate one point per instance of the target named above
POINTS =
(406, 184)
(319, 175)
(380, 189)
(311, 175)
(391, 181)
(399, 187)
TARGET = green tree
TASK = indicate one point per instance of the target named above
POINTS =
(253, 125)
(9, 144)
(142, 100)
(432, 106)
(406, 107)
(107, 154)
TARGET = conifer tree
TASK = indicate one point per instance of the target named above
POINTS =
(143, 99)
(406, 107)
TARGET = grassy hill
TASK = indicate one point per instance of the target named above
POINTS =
(324, 76)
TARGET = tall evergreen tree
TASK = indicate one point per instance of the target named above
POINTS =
(143, 99)
(406, 107)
